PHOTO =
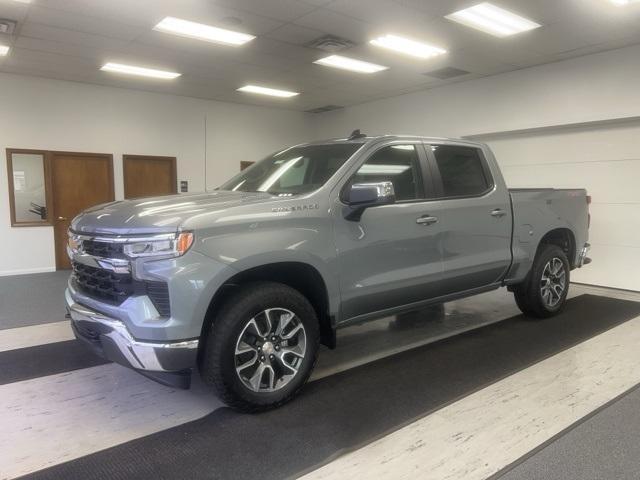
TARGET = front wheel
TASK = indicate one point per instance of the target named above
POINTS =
(544, 292)
(262, 346)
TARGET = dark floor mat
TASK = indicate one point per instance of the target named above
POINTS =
(42, 360)
(347, 410)
(605, 446)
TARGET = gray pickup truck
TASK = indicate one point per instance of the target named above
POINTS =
(245, 282)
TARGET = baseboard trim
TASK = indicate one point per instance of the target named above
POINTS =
(26, 271)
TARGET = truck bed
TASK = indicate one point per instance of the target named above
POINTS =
(539, 210)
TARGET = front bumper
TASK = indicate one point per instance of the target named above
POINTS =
(169, 363)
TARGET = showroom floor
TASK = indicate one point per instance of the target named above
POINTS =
(400, 396)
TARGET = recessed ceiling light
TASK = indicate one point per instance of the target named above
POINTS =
(185, 28)
(267, 91)
(494, 20)
(4, 49)
(347, 63)
(409, 47)
(140, 71)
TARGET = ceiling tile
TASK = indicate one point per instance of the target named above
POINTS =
(282, 10)
(295, 34)
(82, 23)
(317, 3)
(337, 24)
(54, 34)
(549, 40)
(13, 10)
(69, 49)
(384, 16)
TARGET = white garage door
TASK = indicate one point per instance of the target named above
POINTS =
(606, 160)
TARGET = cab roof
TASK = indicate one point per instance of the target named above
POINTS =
(362, 138)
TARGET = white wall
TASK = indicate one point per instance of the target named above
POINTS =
(58, 115)
(606, 160)
(589, 88)
(600, 90)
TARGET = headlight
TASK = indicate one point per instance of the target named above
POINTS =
(73, 244)
(165, 247)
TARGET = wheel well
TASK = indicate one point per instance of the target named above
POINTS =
(563, 238)
(297, 275)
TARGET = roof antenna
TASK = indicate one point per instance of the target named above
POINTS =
(356, 134)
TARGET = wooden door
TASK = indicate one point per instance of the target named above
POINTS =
(146, 176)
(79, 181)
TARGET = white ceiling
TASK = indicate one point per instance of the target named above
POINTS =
(71, 39)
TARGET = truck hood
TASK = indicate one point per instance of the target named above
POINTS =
(159, 214)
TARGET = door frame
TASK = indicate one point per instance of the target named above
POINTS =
(48, 187)
(172, 160)
(54, 214)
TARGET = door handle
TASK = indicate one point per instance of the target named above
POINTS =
(498, 212)
(426, 220)
(62, 218)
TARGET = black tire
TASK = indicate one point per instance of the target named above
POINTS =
(528, 295)
(218, 364)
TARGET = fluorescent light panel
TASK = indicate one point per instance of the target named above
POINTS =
(4, 49)
(494, 20)
(185, 28)
(408, 47)
(267, 91)
(346, 63)
(139, 71)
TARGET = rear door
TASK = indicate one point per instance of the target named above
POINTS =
(388, 258)
(474, 213)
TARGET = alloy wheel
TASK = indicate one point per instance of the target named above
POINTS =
(270, 350)
(553, 282)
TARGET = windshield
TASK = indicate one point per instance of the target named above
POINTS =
(294, 170)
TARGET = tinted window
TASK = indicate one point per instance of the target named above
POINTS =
(461, 170)
(294, 170)
(398, 164)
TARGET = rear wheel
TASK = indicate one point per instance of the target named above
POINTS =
(544, 292)
(262, 346)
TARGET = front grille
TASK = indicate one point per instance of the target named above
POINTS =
(115, 288)
(102, 249)
(103, 284)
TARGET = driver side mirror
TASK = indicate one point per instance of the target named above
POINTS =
(361, 196)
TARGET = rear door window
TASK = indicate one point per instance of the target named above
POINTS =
(462, 170)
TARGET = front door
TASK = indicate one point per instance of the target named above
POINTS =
(146, 176)
(389, 257)
(79, 181)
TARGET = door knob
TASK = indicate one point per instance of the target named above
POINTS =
(426, 220)
(498, 212)
(62, 218)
